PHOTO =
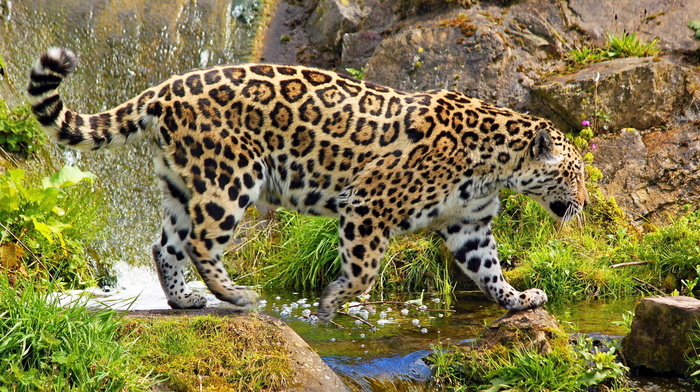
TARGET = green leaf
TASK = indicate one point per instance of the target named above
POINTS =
(69, 175)
(44, 229)
(694, 24)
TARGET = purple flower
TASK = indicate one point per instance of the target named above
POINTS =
(585, 123)
(593, 146)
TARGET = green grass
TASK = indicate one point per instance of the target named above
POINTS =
(625, 45)
(300, 253)
(210, 353)
(45, 346)
(566, 368)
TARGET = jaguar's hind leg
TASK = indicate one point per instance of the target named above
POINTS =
(363, 241)
(169, 251)
(214, 218)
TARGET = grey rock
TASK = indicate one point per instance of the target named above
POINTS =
(357, 48)
(634, 92)
(481, 64)
(658, 340)
(652, 176)
(330, 20)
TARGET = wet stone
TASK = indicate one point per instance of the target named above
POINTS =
(658, 342)
(534, 328)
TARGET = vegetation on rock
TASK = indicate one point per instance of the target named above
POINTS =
(626, 45)
(209, 353)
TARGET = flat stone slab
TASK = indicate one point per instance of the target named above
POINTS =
(658, 341)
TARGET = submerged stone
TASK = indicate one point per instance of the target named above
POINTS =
(659, 339)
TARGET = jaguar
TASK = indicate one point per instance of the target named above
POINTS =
(384, 162)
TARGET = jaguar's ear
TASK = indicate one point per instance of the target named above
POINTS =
(542, 146)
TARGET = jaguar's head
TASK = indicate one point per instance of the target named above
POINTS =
(552, 173)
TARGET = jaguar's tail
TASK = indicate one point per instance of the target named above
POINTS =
(126, 123)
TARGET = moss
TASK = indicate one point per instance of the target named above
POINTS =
(210, 353)
(463, 23)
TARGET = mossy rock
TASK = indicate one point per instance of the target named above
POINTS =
(226, 349)
(659, 342)
(528, 329)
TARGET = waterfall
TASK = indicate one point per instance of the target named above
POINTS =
(124, 46)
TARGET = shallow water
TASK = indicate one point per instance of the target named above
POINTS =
(387, 356)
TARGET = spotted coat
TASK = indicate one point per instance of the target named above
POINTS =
(385, 162)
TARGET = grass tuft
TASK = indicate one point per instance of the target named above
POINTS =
(566, 368)
(211, 353)
(47, 346)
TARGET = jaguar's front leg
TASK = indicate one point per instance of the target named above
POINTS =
(474, 250)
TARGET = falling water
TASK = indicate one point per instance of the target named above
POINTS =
(124, 47)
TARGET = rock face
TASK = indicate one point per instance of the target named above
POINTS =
(330, 20)
(652, 175)
(658, 341)
(632, 92)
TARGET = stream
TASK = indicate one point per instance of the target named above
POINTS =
(388, 356)
(128, 45)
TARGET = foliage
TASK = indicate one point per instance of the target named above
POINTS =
(673, 250)
(43, 227)
(626, 45)
(19, 130)
(358, 74)
(307, 257)
(301, 253)
(695, 25)
(211, 353)
(629, 45)
(626, 322)
(49, 346)
(694, 358)
(416, 262)
(565, 368)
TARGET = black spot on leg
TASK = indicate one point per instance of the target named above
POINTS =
(214, 210)
(349, 231)
(228, 223)
(359, 251)
(356, 270)
(473, 264)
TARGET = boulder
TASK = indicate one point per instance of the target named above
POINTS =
(665, 19)
(330, 20)
(311, 373)
(658, 341)
(652, 175)
(357, 49)
(460, 54)
(631, 92)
